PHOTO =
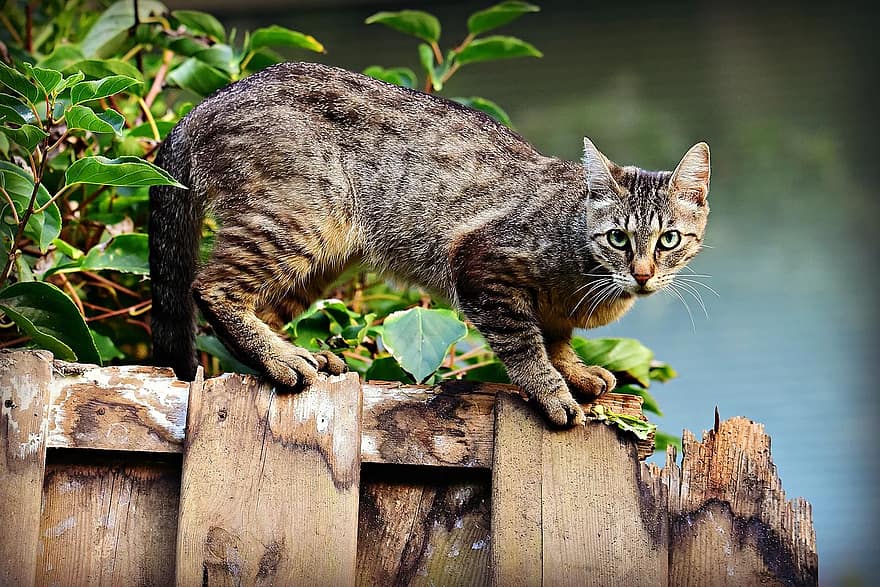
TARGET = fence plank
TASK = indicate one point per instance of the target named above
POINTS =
(420, 529)
(109, 523)
(25, 378)
(574, 497)
(730, 522)
(269, 493)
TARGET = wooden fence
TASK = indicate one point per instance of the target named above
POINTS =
(126, 476)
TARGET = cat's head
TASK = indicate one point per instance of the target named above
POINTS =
(646, 225)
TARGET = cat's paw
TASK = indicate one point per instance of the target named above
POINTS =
(560, 408)
(590, 382)
(292, 367)
(330, 363)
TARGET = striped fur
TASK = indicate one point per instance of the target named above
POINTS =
(308, 169)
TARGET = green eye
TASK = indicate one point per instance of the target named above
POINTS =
(618, 239)
(669, 240)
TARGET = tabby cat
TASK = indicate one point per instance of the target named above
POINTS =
(308, 169)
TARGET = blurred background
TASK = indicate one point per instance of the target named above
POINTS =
(783, 95)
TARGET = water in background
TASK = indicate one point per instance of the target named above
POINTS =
(781, 95)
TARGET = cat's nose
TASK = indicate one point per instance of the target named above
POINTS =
(642, 278)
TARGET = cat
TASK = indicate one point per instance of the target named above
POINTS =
(308, 169)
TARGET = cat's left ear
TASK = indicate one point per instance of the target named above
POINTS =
(597, 170)
(690, 180)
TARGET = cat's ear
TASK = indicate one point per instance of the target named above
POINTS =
(690, 180)
(597, 170)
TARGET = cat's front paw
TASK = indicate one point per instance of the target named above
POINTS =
(590, 382)
(329, 363)
(560, 408)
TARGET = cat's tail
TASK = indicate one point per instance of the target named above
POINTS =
(174, 236)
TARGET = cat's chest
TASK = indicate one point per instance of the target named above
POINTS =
(583, 313)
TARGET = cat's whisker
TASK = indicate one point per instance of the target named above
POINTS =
(597, 285)
(675, 292)
(694, 293)
(700, 283)
(610, 293)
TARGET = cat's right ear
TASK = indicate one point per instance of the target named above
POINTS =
(597, 170)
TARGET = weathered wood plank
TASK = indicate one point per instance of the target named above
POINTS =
(24, 406)
(579, 504)
(144, 409)
(418, 529)
(730, 522)
(118, 408)
(269, 493)
(109, 523)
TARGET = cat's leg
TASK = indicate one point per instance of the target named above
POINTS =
(231, 287)
(504, 313)
(585, 381)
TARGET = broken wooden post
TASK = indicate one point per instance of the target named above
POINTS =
(269, 493)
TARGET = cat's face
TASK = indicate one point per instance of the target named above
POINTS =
(645, 225)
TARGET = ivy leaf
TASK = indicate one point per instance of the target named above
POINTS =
(487, 106)
(277, 36)
(417, 23)
(47, 79)
(122, 171)
(108, 86)
(201, 22)
(26, 135)
(627, 357)
(494, 48)
(399, 76)
(498, 15)
(127, 253)
(51, 319)
(419, 338)
(625, 422)
(18, 83)
(42, 228)
(199, 77)
(83, 117)
(113, 26)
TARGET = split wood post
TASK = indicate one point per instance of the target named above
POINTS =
(270, 485)
(568, 506)
(24, 391)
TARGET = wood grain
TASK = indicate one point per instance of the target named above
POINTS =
(109, 523)
(118, 408)
(418, 528)
(270, 484)
(568, 508)
(25, 379)
(729, 520)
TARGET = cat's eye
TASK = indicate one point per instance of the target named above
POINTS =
(618, 239)
(669, 240)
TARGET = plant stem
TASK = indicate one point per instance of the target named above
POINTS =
(11, 204)
(29, 211)
(129, 310)
(149, 117)
(159, 80)
(438, 55)
(12, 32)
(112, 284)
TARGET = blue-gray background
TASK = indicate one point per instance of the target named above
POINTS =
(782, 93)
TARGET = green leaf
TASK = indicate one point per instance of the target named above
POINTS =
(146, 129)
(51, 319)
(18, 83)
(108, 86)
(220, 56)
(101, 68)
(417, 23)
(26, 135)
(14, 110)
(494, 372)
(277, 36)
(387, 369)
(42, 228)
(487, 106)
(498, 15)
(664, 439)
(113, 25)
(661, 372)
(47, 79)
(67, 249)
(419, 338)
(61, 57)
(625, 422)
(122, 171)
(649, 404)
(201, 22)
(127, 253)
(213, 346)
(496, 47)
(71, 80)
(426, 58)
(198, 77)
(83, 117)
(400, 76)
(106, 349)
(626, 357)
